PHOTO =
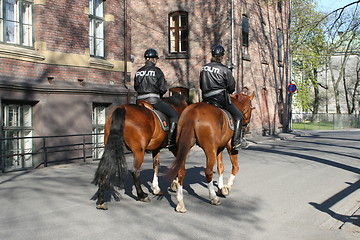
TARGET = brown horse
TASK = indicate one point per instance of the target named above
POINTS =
(137, 128)
(207, 126)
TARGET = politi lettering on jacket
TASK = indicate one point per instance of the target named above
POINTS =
(146, 74)
(210, 69)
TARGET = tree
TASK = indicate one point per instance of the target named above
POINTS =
(308, 51)
(343, 38)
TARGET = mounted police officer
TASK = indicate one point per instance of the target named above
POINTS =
(150, 84)
(216, 83)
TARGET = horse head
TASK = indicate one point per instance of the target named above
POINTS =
(178, 102)
(243, 103)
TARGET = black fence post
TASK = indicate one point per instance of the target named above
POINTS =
(44, 152)
(84, 152)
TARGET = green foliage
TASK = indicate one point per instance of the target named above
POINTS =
(308, 50)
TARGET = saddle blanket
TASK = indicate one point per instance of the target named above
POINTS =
(229, 118)
(164, 122)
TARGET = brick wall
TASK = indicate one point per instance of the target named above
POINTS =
(209, 23)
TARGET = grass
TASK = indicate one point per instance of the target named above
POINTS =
(314, 125)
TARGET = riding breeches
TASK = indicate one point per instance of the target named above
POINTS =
(167, 110)
(231, 108)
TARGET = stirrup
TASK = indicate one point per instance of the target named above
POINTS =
(243, 144)
(170, 145)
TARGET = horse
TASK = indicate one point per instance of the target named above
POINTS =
(136, 127)
(207, 126)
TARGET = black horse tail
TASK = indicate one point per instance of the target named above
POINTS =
(185, 141)
(112, 168)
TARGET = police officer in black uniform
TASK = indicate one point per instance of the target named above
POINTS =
(216, 83)
(150, 84)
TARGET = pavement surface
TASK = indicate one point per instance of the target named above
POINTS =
(299, 186)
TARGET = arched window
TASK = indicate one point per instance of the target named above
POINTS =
(178, 32)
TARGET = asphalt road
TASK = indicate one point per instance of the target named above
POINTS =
(302, 186)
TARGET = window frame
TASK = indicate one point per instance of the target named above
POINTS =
(176, 51)
(245, 36)
(20, 157)
(98, 129)
(93, 33)
(19, 23)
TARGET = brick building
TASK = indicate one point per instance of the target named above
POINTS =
(63, 63)
(255, 34)
(61, 68)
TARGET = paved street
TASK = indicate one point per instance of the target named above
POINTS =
(301, 186)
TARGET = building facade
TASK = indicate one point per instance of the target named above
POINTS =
(255, 34)
(62, 68)
(65, 64)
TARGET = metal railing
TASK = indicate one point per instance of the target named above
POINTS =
(50, 150)
(325, 121)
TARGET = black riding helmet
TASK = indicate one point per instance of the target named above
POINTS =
(217, 51)
(151, 53)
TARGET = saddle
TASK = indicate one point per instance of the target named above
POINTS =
(229, 118)
(164, 122)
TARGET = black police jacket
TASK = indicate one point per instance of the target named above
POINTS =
(150, 79)
(216, 76)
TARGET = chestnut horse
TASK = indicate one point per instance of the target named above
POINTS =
(207, 126)
(137, 128)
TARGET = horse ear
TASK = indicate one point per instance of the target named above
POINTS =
(252, 96)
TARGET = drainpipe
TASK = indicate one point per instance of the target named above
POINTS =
(232, 37)
(126, 51)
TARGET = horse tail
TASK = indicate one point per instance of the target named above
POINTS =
(112, 168)
(185, 141)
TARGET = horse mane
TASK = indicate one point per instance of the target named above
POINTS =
(177, 99)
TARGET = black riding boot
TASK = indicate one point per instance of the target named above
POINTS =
(171, 136)
(238, 141)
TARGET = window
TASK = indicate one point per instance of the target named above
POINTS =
(279, 5)
(16, 24)
(245, 36)
(280, 40)
(98, 121)
(17, 131)
(96, 28)
(178, 32)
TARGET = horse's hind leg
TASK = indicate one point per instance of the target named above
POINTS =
(100, 203)
(138, 160)
(156, 165)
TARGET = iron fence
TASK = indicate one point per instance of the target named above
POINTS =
(325, 121)
(50, 150)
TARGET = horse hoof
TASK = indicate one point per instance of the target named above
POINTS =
(215, 202)
(225, 191)
(173, 186)
(146, 199)
(102, 206)
(180, 209)
(158, 193)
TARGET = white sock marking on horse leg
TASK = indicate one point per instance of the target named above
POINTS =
(221, 181)
(180, 197)
(155, 184)
(230, 181)
(211, 188)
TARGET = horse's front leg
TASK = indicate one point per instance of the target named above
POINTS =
(235, 168)
(138, 160)
(211, 159)
(220, 168)
(156, 166)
